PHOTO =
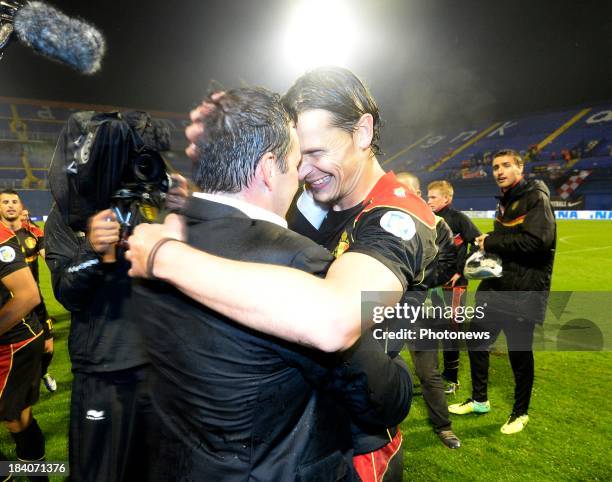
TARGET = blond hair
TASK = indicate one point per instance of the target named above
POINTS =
(445, 187)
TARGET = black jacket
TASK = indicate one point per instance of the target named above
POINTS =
(464, 233)
(103, 336)
(443, 267)
(525, 237)
(246, 406)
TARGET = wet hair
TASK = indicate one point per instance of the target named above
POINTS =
(242, 125)
(339, 92)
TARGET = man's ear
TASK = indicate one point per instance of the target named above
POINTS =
(265, 170)
(364, 131)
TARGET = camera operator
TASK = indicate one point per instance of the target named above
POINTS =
(110, 404)
(110, 414)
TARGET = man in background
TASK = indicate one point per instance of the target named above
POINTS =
(440, 198)
(31, 240)
(524, 236)
(21, 344)
(425, 352)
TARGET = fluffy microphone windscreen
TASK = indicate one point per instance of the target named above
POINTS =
(56, 36)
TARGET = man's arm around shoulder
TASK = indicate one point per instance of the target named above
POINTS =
(283, 302)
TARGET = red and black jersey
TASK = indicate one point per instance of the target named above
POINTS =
(11, 260)
(395, 227)
(392, 225)
(31, 239)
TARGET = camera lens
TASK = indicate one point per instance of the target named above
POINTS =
(148, 167)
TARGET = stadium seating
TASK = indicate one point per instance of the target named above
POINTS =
(556, 145)
(29, 131)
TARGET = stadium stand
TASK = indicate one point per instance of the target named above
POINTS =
(29, 130)
(557, 146)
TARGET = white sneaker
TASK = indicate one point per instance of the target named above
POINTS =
(50, 383)
(515, 424)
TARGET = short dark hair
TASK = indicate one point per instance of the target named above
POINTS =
(512, 153)
(242, 126)
(10, 191)
(337, 91)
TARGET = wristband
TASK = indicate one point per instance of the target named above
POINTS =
(153, 253)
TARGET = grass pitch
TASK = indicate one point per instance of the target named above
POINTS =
(568, 436)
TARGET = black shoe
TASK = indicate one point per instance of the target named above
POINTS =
(448, 438)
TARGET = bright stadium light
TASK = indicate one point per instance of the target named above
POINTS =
(320, 32)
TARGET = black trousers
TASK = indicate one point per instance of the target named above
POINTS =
(111, 420)
(432, 386)
(425, 356)
(519, 338)
(454, 297)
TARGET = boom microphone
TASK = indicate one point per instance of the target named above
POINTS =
(66, 40)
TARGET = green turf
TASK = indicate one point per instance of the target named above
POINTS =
(52, 409)
(568, 436)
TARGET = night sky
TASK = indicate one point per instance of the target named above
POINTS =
(429, 63)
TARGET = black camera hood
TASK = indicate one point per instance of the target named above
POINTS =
(94, 157)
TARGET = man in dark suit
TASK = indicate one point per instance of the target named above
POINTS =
(237, 404)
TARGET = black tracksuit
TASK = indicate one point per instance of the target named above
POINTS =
(464, 234)
(110, 410)
(524, 236)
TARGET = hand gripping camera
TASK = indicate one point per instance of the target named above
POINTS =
(110, 160)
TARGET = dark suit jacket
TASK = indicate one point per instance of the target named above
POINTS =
(240, 405)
